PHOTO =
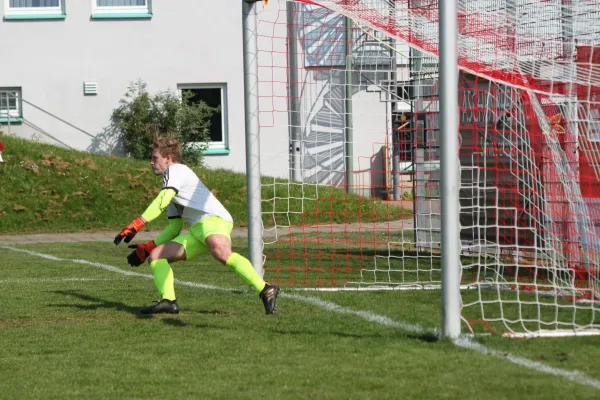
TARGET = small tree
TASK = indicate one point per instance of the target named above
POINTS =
(140, 117)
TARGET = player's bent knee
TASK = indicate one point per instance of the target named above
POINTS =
(219, 246)
(155, 254)
(221, 253)
(171, 252)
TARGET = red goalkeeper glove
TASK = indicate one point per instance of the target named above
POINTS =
(130, 230)
(141, 252)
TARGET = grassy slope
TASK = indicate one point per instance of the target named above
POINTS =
(51, 189)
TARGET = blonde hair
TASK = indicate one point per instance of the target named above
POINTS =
(168, 146)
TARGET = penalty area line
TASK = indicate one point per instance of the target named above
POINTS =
(464, 342)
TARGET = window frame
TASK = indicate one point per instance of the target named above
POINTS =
(123, 11)
(15, 115)
(222, 147)
(18, 112)
(34, 11)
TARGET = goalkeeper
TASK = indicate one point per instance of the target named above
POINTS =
(185, 197)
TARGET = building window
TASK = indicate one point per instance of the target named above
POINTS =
(125, 8)
(10, 104)
(29, 8)
(214, 95)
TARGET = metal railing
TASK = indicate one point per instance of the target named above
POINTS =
(11, 109)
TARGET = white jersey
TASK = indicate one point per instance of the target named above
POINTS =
(193, 201)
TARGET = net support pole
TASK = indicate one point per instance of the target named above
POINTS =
(449, 168)
(250, 27)
(393, 93)
(394, 135)
(349, 135)
(293, 94)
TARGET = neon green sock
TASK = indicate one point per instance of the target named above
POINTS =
(163, 278)
(243, 268)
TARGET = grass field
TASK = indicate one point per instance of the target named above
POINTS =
(70, 329)
(376, 256)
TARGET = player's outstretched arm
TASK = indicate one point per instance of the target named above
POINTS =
(171, 231)
(130, 230)
(156, 208)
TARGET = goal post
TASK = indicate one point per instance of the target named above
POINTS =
(449, 169)
(252, 126)
(389, 141)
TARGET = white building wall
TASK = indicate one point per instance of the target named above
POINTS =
(185, 42)
(273, 90)
(370, 130)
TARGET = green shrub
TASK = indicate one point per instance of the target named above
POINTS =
(141, 116)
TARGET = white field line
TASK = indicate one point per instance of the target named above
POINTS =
(574, 376)
(38, 280)
(464, 342)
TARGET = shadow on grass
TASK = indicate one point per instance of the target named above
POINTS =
(104, 304)
(424, 337)
(167, 319)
